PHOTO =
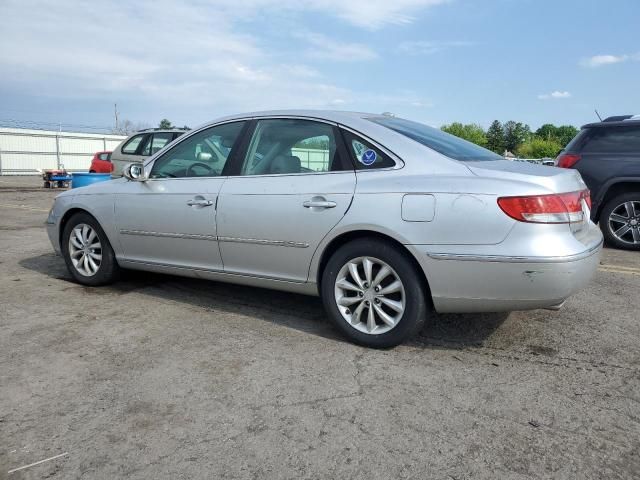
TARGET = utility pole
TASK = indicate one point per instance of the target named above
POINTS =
(115, 112)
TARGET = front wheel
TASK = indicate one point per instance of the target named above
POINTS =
(620, 221)
(87, 251)
(374, 293)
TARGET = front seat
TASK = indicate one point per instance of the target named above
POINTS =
(285, 164)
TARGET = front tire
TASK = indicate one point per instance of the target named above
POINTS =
(87, 251)
(620, 221)
(373, 293)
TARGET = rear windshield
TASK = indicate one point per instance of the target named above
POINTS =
(577, 141)
(608, 140)
(441, 142)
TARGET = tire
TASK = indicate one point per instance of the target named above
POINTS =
(618, 214)
(102, 257)
(92, 171)
(410, 298)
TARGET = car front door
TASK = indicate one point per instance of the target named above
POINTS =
(170, 219)
(292, 185)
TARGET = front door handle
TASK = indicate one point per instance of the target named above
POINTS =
(199, 203)
(318, 204)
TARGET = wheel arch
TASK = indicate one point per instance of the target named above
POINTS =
(353, 235)
(615, 188)
(67, 216)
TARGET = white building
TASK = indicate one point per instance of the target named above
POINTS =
(26, 152)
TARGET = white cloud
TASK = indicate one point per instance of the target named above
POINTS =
(423, 47)
(193, 58)
(369, 14)
(602, 60)
(325, 48)
(554, 95)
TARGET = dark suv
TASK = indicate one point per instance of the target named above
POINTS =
(607, 155)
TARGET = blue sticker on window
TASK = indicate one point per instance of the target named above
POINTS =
(368, 157)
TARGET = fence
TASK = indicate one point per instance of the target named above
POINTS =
(26, 152)
(313, 159)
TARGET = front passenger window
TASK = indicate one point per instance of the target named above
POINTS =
(203, 154)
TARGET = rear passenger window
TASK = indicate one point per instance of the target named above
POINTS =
(613, 140)
(292, 146)
(132, 145)
(365, 155)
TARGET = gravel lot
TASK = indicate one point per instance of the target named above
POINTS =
(165, 377)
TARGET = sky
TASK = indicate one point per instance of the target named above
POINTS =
(433, 61)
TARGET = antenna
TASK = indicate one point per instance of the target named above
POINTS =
(596, 110)
(115, 113)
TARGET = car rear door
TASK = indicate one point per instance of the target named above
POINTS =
(170, 219)
(290, 187)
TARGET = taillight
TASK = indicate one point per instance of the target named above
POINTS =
(568, 160)
(554, 208)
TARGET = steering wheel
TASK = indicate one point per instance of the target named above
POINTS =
(189, 173)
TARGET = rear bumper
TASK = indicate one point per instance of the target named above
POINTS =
(464, 283)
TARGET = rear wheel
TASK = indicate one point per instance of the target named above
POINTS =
(87, 251)
(620, 221)
(373, 293)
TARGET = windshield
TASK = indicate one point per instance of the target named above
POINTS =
(441, 142)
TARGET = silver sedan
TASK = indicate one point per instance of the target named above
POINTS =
(386, 219)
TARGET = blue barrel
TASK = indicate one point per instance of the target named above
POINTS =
(84, 179)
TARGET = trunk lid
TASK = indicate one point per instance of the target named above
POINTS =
(557, 180)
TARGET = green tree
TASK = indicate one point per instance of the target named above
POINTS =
(562, 134)
(495, 137)
(537, 147)
(565, 133)
(515, 134)
(547, 131)
(164, 123)
(471, 132)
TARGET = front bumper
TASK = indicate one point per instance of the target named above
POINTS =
(464, 283)
(52, 231)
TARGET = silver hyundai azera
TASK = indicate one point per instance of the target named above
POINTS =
(386, 219)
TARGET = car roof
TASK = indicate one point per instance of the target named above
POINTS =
(161, 130)
(615, 121)
(338, 116)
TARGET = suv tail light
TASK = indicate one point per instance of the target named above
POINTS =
(568, 160)
(554, 208)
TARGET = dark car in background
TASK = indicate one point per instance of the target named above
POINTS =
(607, 155)
(101, 163)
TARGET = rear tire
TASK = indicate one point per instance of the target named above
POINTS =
(388, 303)
(87, 251)
(620, 221)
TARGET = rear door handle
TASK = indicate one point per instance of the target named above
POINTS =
(200, 203)
(318, 204)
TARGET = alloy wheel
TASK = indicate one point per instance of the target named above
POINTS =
(624, 222)
(370, 295)
(85, 250)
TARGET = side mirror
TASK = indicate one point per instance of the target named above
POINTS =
(134, 172)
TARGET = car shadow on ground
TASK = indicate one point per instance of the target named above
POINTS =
(300, 312)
